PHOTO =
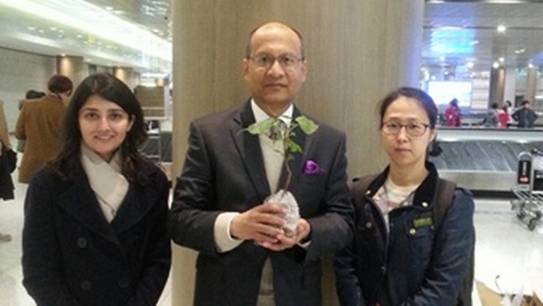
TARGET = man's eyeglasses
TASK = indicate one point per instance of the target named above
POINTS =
(413, 129)
(264, 60)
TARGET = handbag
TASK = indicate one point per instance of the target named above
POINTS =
(8, 160)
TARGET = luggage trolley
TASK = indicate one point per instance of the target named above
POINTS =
(529, 188)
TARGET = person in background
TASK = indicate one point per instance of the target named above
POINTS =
(95, 218)
(452, 114)
(491, 118)
(31, 95)
(39, 125)
(525, 115)
(503, 116)
(400, 254)
(6, 183)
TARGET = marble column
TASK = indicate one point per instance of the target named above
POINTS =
(357, 51)
(497, 85)
(531, 84)
(510, 84)
(127, 75)
(73, 67)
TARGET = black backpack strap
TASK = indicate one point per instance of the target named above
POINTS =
(360, 185)
(443, 200)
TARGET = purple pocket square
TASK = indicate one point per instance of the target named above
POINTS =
(311, 168)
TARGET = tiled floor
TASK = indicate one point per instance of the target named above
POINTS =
(505, 248)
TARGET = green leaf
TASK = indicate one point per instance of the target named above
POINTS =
(307, 125)
(261, 127)
(294, 147)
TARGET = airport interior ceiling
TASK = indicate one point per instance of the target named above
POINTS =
(458, 35)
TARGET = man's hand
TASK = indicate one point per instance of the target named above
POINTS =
(283, 242)
(263, 223)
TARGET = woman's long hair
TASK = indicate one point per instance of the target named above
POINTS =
(112, 89)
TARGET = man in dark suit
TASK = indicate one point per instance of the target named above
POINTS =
(219, 209)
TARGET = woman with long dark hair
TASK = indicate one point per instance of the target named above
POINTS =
(95, 218)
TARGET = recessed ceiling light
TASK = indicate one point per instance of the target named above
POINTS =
(520, 51)
(79, 36)
(474, 42)
(52, 28)
(41, 31)
(31, 28)
(442, 58)
(118, 12)
(496, 65)
(501, 59)
(530, 65)
(501, 28)
(109, 8)
(469, 65)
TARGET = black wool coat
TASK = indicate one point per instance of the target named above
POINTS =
(73, 256)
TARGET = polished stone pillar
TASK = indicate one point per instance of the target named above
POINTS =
(497, 85)
(357, 51)
(531, 84)
(127, 75)
(510, 84)
(73, 67)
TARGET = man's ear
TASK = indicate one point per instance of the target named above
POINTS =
(244, 68)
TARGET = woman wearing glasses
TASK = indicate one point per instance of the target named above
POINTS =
(402, 254)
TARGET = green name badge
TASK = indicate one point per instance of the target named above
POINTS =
(423, 222)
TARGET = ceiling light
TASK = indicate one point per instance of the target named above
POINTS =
(501, 28)
(530, 65)
(31, 28)
(474, 42)
(520, 51)
(469, 65)
(118, 12)
(109, 8)
(94, 20)
(496, 65)
(62, 54)
(501, 59)
(52, 28)
(442, 58)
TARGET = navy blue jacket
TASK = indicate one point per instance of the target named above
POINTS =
(73, 256)
(414, 264)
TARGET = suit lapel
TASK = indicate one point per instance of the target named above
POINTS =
(80, 202)
(248, 147)
(296, 163)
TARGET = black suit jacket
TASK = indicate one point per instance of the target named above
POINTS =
(73, 256)
(224, 171)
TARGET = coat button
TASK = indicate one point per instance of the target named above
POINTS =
(82, 243)
(369, 225)
(86, 285)
(412, 231)
(124, 283)
(424, 204)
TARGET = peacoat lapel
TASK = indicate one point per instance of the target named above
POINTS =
(80, 202)
(137, 203)
(248, 147)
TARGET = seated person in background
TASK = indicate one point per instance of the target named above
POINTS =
(413, 235)
(491, 119)
(452, 114)
(525, 115)
(503, 116)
